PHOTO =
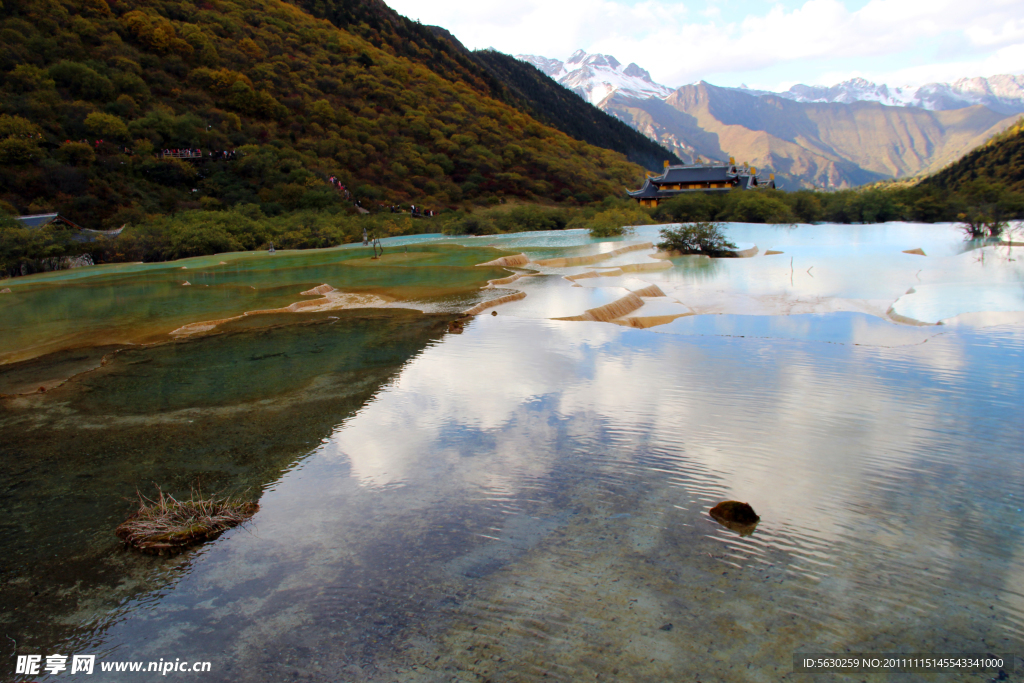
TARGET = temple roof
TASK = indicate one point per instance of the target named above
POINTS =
(40, 220)
(734, 176)
(695, 174)
(37, 220)
(648, 191)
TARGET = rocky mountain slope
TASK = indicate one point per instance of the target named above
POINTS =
(851, 134)
(829, 145)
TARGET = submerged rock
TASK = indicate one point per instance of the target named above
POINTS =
(735, 516)
(458, 325)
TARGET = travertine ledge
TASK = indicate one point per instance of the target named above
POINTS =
(593, 258)
(484, 305)
(330, 300)
(609, 312)
(512, 261)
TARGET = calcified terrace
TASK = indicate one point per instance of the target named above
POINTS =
(901, 274)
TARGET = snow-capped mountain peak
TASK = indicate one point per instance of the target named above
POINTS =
(1004, 94)
(595, 76)
(555, 68)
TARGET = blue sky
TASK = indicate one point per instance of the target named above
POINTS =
(769, 45)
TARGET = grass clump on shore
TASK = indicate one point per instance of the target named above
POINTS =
(168, 525)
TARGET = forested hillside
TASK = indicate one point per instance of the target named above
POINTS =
(1000, 160)
(499, 75)
(92, 92)
(384, 28)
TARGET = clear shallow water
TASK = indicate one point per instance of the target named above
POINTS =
(528, 499)
(822, 268)
(553, 508)
(142, 303)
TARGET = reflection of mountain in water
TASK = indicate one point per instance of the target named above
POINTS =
(227, 413)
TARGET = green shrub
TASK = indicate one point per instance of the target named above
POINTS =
(757, 207)
(701, 237)
(82, 81)
(694, 206)
(611, 230)
(16, 126)
(614, 222)
(76, 153)
(106, 125)
(530, 218)
(471, 225)
(17, 151)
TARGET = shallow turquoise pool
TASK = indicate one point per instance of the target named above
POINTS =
(528, 499)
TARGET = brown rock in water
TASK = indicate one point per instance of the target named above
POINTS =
(735, 516)
(456, 326)
(494, 313)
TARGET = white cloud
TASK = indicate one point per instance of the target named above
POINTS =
(679, 46)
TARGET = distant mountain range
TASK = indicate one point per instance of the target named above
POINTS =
(848, 134)
(1003, 94)
(596, 76)
(809, 144)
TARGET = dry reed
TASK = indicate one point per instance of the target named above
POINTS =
(168, 525)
